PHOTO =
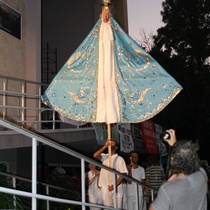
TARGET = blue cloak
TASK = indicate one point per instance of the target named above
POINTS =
(144, 88)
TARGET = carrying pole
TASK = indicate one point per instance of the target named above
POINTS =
(110, 163)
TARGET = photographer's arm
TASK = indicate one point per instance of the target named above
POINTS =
(172, 140)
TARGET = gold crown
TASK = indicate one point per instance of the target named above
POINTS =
(106, 2)
(105, 9)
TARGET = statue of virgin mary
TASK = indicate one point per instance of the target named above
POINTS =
(110, 78)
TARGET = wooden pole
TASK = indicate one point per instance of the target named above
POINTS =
(109, 147)
(110, 163)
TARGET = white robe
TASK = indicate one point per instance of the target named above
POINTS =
(107, 101)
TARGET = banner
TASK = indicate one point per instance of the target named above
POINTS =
(101, 132)
(149, 137)
(161, 145)
(126, 141)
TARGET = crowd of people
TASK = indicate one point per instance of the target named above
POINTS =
(186, 188)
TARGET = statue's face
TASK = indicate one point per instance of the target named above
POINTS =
(105, 17)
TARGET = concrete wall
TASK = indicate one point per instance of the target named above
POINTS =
(21, 58)
(13, 50)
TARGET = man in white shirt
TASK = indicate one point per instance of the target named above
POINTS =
(94, 192)
(137, 172)
(106, 184)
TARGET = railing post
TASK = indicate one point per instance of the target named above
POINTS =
(53, 119)
(47, 192)
(4, 98)
(115, 200)
(152, 194)
(23, 104)
(14, 186)
(40, 110)
(83, 182)
(34, 173)
(137, 196)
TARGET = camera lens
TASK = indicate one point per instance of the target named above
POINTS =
(165, 135)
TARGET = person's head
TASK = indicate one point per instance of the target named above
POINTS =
(114, 145)
(134, 157)
(153, 160)
(91, 166)
(184, 157)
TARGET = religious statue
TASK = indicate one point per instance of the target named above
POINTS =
(110, 78)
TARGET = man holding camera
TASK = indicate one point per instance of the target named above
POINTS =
(187, 188)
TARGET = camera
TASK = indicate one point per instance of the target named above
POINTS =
(165, 135)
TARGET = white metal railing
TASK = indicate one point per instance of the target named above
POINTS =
(19, 97)
(34, 195)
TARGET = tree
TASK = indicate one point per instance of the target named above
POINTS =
(186, 32)
(182, 48)
(145, 40)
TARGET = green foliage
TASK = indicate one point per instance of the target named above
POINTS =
(7, 200)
